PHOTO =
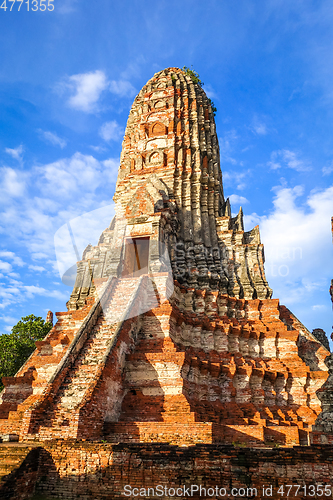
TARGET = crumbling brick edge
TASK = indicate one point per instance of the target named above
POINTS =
(94, 470)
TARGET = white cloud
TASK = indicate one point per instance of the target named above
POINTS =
(123, 88)
(16, 153)
(9, 319)
(327, 170)
(37, 268)
(67, 6)
(134, 68)
(319, 307)
(14, 275)
(39, 255)
(56, 193)
(260, 129)
(258, 126)
(52, 138)
(99, 149)
(226, 146)
(46, 204)
(296, 93)
(10, 294)
(210, 92)
(83, 230)
(32, 290)
(12, 183)
(14, 258)
(297, 240)
(82, 181)
(87, 88)
(112, 167)
(287, 158)
(5, 266)
(15, 292)
(235, 198)
(111, 131)
(235, 178)
(15, 282)
(69, 174)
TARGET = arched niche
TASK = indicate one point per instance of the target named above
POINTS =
(157, 129)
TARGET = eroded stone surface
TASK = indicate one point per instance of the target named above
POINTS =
(170, 187)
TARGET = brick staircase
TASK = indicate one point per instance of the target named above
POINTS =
(63, 416)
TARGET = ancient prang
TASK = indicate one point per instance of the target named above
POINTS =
(171, 335)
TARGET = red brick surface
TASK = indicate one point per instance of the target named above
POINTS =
(73, 470)
(179, 364)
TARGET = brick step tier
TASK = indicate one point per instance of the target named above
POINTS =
(187, 434)
(173, 386)
(63, 416)
(176, 376)
(24, 390)
(137, 406)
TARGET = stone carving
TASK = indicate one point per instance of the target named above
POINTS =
(209, 248)
(321, 336)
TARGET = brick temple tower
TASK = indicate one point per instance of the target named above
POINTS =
(171, 334)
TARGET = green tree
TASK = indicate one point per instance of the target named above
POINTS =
(193, 74)
(16, 347)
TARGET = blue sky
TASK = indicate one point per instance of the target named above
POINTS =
(67, 80)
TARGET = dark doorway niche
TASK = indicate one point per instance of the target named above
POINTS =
(136, 257)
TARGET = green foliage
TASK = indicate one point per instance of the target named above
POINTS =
(193, 74)
(212, 105)
(16, 347)
(196, 79)
(238, 444)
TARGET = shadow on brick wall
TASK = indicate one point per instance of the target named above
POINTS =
(21, 481)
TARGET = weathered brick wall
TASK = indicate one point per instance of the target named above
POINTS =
(72, 470)
(204, 357)
(18, 471)
(101, 471)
